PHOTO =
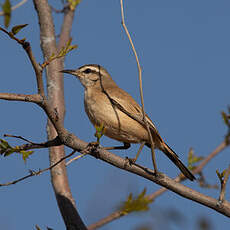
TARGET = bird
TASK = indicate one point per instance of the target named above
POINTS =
(107, 105)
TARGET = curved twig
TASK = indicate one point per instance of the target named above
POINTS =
(140, 85)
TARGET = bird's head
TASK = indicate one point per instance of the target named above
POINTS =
(92, 75)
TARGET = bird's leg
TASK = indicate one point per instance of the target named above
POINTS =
(154, 161)
(125, 146)
(133, 160)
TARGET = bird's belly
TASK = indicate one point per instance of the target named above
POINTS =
(117, 124)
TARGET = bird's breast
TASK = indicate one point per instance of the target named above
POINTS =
(117, 124)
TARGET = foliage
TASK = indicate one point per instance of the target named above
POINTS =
(221, 175)
(6, 8)
(73, 4)
(17, 28)
(6, 149)
(138, 204)
(100, 130)
(63, 51)
(192, 159)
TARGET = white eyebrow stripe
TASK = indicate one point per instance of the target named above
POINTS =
(93, 68)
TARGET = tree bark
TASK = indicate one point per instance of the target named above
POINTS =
(55, 92)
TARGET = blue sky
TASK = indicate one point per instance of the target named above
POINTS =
(184, 51)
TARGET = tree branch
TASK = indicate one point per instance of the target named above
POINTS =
(166, 182)
(39, 172)
(73, 142)
(35, 98)
(117, 214)
(37, 68)
(56, 103)
(66, 27)
(51, 143)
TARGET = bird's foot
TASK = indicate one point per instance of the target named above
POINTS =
(93, 148)
(130, 160)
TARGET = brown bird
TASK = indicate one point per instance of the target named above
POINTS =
(121, 116)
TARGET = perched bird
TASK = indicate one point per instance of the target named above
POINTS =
(121, 116)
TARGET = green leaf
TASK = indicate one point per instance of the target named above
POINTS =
(66, 49)
(73, 4)
(4, 144)
(25, 154)
(6, 7)
(221, 175)
(138, 204)
(63, 51)
(4, 147)
(100, 130)
(9, 152)
(192, 159)
(17, 28)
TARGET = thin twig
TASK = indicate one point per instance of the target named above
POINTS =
(39, 172)
(19, 137)
(37, 69)
(91, 148)
(223, 186)
(218, 149)
(54, 142)
(75, 158)
(21, 42)
(140, 85)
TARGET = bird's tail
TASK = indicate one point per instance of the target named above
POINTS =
(175, 159)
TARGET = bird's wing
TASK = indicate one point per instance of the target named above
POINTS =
(124, 102)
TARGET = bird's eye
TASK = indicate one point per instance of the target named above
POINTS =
(87, 71)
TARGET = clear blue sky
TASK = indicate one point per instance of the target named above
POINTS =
(184, 51)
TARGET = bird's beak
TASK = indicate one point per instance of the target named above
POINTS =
(69, 71)
(74, 72)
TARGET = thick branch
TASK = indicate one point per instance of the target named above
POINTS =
(55, 91)
(73, 142)
(166, 182)
(118, 214)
